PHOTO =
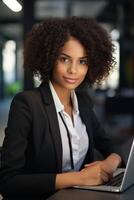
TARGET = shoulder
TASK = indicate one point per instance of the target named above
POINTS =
(27, 97)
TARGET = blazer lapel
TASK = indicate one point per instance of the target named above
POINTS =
(54, 126)
(53, 121)
(85, 114)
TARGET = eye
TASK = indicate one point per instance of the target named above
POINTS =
(63, 59)
(83, 62)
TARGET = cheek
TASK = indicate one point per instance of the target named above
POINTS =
(84, 72)
(58, 72)
(59, 69)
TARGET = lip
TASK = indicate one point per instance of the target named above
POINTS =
(70, 80)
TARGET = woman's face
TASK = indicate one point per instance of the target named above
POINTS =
(71, 66)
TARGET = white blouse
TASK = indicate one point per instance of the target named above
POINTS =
(77, 130)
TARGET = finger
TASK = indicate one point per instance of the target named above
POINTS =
(104, 177)
(109, 175)
(112, 162)
(91, 164)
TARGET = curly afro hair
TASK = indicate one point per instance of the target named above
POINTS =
(44, 42)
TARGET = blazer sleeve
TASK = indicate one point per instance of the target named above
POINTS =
(101, 141)
(13, 181)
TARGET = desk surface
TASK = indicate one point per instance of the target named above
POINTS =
(78, 194)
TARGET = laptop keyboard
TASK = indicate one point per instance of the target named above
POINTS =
(116, 180)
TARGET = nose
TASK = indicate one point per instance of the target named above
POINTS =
(72, 68)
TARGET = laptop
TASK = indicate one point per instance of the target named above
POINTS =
(122, 179)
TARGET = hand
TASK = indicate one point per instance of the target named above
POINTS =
(93, 174)
(111, 163)
(101, 171)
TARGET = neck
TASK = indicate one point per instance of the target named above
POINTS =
(63, 94)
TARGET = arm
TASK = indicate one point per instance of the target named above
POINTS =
(97, 172)
(94, 173)
(99, 138)
(102, 141)
(13, 177)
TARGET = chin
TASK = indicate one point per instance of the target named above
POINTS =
(70, 86)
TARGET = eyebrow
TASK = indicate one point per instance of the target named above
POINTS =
(70, 56)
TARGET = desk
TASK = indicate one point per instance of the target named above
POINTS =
(78, 194)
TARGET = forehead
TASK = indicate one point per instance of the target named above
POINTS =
(73, 47)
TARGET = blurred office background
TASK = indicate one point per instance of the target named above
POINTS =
(114, 99)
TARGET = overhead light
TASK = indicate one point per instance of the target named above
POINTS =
(13, 5)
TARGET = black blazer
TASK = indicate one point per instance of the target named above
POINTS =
(32, 150)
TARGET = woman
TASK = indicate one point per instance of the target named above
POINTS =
(52, 129)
